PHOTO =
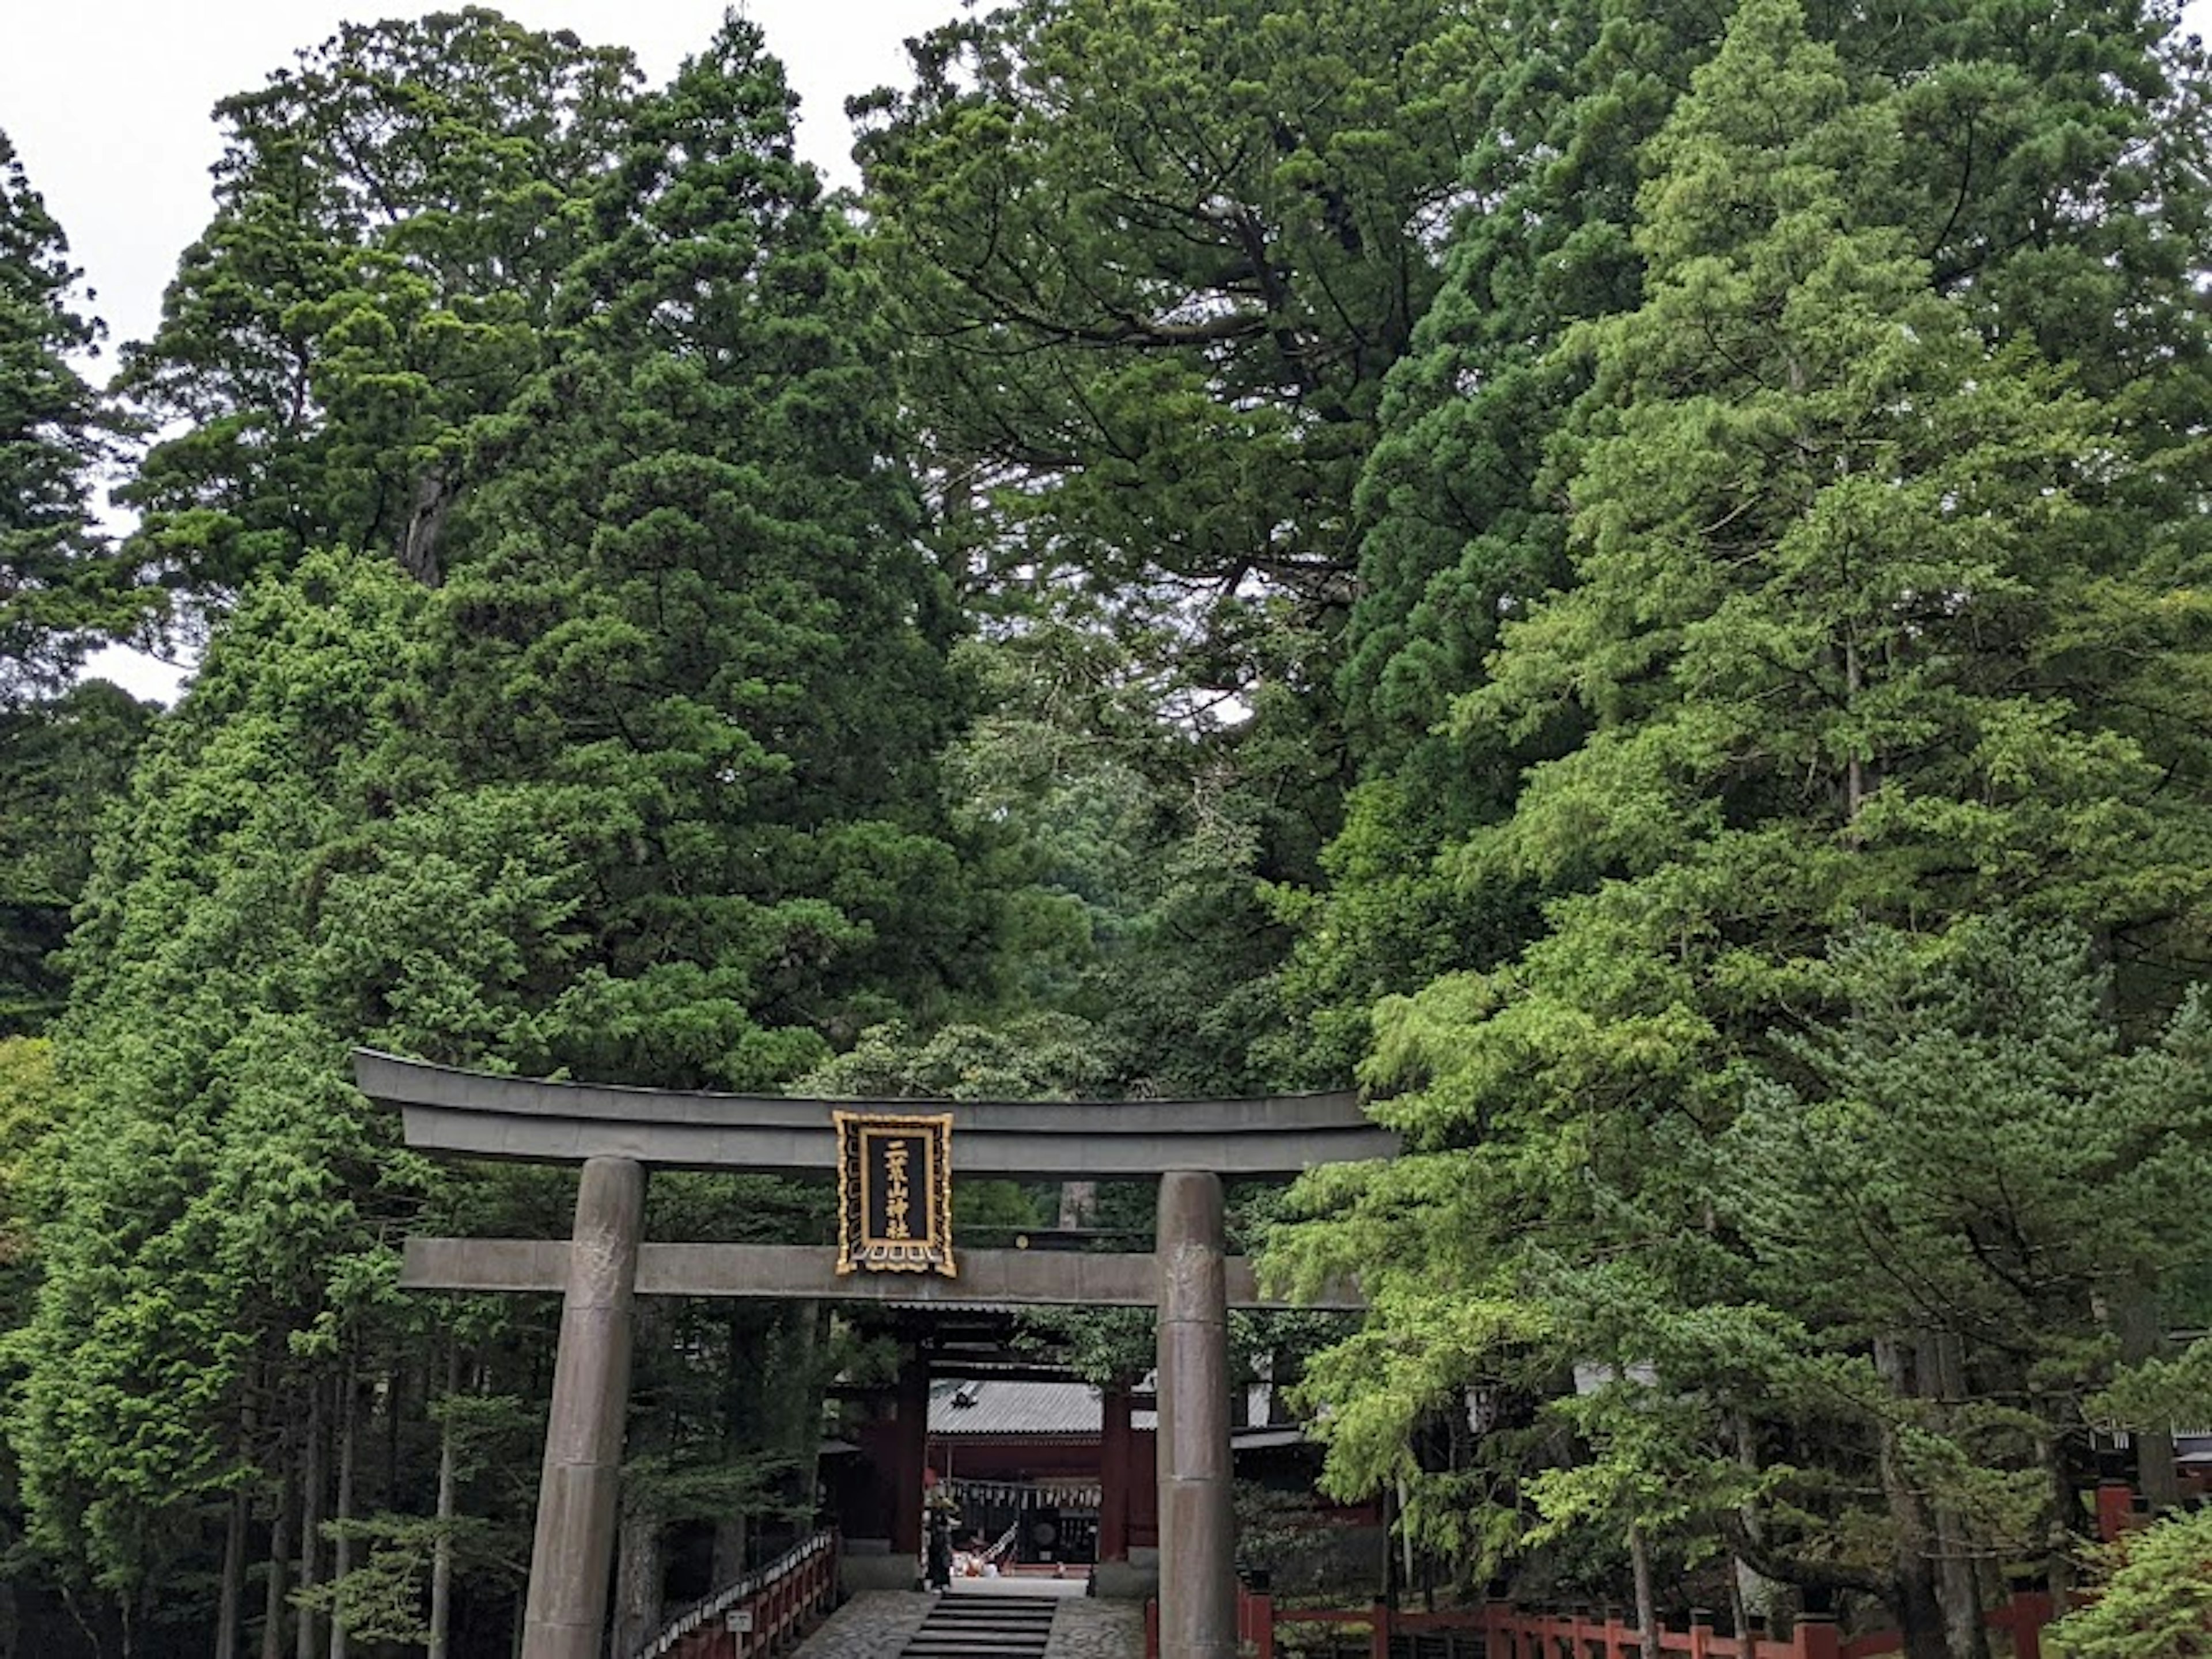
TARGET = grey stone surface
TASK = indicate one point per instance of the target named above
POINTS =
(1097, 1630)
(481, 1115)
(1128, 1581)
(876, 1624)
(1197, 1531)
(778, 1272)
(879, 1624)
(862, 1575)
(574, 1549)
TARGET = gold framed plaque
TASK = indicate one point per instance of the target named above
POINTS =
(895, 1193)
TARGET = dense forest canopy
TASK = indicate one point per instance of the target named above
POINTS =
(1633, 579)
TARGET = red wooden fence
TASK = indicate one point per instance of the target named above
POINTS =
(1509, 1633)
(762, 1612)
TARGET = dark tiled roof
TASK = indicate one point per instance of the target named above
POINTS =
(999, 1406)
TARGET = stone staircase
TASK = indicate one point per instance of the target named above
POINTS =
(968, 1625)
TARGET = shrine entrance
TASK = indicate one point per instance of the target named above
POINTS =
(894, 1163)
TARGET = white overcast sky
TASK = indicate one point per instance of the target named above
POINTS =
(107, 101)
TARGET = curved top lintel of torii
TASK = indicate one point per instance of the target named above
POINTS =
(468, 1114)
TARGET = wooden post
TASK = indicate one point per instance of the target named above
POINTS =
(2116, 1503)
(1114, 1482)
(2031, 1611)
(1817, 1638)
(910, 1457)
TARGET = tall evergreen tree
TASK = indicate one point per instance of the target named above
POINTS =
(707, 620)
(392, 218)
(1150, 264)
(56, 596)
(1817, 662)
(62, 752)
(2002, 125)
(644, 787)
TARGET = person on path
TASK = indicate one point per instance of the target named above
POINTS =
(939, 1573)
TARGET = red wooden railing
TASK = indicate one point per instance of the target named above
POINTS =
(762, 1612)
(1509, 1633)
(2022, 1619)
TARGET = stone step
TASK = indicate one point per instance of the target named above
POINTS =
(953, 1607)
(983, 1631)
(997, 1641)
(996, 1603)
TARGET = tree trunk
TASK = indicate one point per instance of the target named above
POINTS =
(1751, 1592)
(231, 1597)
(419, 538)
(1918, 1603)
(744, 1425)
(2142, 1336)
(342, 1557)
(2064, 1538)
(309, 1628)
(1942, 1379)
(280, 1556)
(731, 1532)
(1647, 1605)
(441, 1558)
(638, 1569)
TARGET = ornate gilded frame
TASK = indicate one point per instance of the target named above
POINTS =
(892, 1242)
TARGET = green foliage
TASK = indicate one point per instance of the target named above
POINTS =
(58, 591)
(2005, 1166)
(1149, 265)
(1726, 486)
(63, 760)
(208, 1208)
(340, 346)
(29, 1108)
(1815, 659)
(628, 767)
(385, 1596)
(1987, 124)
(2156, 1603)
(702, 637)
(1204, 236)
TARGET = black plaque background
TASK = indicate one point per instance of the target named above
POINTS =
(863, 1219)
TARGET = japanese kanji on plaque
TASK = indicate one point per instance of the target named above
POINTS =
(895, 1193)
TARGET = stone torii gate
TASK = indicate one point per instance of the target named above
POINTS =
(616, 1133)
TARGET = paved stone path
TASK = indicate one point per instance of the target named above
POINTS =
(1097, 1630)
(878, 1623)
(874, 1625)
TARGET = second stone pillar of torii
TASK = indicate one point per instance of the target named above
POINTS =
(1198, 1528)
